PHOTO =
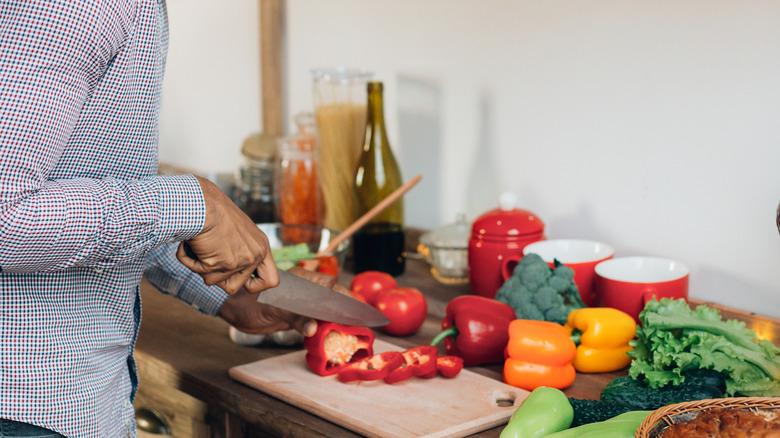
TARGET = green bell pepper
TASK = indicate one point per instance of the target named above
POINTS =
(546, 410)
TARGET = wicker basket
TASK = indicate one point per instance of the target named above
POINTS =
(663, 417)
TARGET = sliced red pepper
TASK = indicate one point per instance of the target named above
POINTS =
(335, 345)
(447, 366)
(375, 367)
(330, 265)
(418, 361)
(476, 328)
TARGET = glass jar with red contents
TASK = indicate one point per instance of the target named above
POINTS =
(298, 193)
(496, 244)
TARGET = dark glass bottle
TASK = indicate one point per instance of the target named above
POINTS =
(378, 245)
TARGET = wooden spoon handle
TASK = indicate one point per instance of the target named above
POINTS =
(370, 214)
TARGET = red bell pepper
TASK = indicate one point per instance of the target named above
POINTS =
(447, 366)
(418, 361)
(375, 367)
(480, 326)
(335, 345)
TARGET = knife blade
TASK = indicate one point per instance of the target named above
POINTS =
(303, 297)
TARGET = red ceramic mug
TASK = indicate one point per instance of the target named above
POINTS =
(628, 283)
(580, 255)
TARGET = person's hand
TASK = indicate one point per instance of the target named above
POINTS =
(232, 252)
(243, 312)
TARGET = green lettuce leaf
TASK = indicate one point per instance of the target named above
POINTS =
(673, 338)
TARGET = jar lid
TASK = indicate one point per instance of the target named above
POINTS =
(455, 235)
(507, 221)
(260, 147)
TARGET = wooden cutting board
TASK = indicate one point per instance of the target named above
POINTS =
(438, 407)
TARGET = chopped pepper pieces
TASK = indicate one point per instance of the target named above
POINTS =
(375, 367)
(479, 327)
(447, 366)
(539, 353)
(418, 361)
(335, 345)
(602, 335)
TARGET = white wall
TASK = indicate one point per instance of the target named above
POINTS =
(211, 91)
(651, 126)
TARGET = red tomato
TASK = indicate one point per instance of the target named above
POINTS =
(358, 297)
(369, 283)
(405, 307)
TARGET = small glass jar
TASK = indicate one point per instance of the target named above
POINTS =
(254, 192)
(446, 249)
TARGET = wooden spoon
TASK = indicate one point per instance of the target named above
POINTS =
(350, 230)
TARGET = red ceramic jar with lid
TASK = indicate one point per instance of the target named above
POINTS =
(497, 240)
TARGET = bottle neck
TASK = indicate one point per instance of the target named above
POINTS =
(375, 109)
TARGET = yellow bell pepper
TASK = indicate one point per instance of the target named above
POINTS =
(604, 334)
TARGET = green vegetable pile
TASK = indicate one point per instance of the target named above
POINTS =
(698, 384)
(673, 338)
(539, 292)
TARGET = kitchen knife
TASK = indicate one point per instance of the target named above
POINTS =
(303, 297)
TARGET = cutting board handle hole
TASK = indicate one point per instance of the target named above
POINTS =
(505, 399)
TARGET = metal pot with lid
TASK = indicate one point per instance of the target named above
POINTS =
(497, 241)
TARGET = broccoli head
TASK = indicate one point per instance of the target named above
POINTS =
(539, 292)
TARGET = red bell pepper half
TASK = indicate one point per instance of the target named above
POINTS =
(335, 345)
(375, 367)
(447, 366)
(476, 329)
(418, 361)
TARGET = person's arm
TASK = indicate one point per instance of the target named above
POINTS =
(164, 271)
(50, 68)
(58, 211)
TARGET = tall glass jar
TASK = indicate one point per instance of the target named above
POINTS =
(298, 193)
(254, 192)
(340, 107)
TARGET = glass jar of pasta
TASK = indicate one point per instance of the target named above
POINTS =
(340, 108)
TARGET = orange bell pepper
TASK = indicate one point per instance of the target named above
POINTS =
(602, 335)
(539, 353)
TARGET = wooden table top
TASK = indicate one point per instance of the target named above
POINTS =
(194, 353)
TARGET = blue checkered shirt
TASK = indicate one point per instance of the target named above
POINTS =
(83, 214)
